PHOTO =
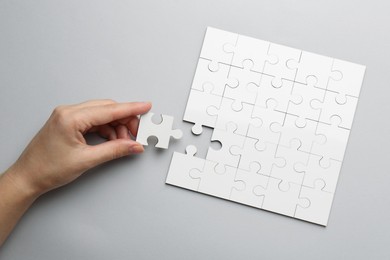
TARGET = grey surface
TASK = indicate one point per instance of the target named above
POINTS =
(59, 52)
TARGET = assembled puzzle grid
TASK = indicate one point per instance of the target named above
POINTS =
(283, 117)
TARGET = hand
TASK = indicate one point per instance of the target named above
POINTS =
(58, 154)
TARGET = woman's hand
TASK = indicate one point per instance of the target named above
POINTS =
(58, 154)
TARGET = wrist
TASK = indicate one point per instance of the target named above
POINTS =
(17, 178)
(15, 198)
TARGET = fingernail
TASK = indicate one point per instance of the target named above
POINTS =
(136, 149)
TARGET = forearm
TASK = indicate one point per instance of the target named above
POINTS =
(15, 199)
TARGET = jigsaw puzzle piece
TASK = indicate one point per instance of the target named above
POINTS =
(308, 92)
(248, 48)
(180, 167)
(320, 204)
(162, 131)
(218, 79)
(282, 95)
(215, 183)
(314, 65)
(225, 113)
(228, 138)
(335, 141)
(315, 172)
(213, 46)
(305, 134)
(279, 200)
(246, 89)
(251, 178)
(330, 107)
(270, 122)
(196, 110)
(350, 80)
(292, 156)
(263, 154)
(279, 69)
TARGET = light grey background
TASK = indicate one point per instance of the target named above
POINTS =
(59, 52)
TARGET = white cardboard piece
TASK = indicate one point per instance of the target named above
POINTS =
(250, 178)
(319, 208)
(217, 79)
(271, 122)
(307, 92)
(248, 48)
(279, 69)
(314, 172)
(215, 183)
(254, 152)
(281, 95)
(197, 105)
(162, 131)
(246, 90)
(213, 47)
(180, 167)
(226, 114)
(281, 201)
(227, 137)
(336, 139)
(351, 78)
(305, 134)
(313, 65)
(292, 156)
(330, 108)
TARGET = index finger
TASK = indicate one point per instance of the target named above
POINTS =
(100, 115)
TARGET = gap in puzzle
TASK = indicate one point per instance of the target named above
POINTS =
(283, 117)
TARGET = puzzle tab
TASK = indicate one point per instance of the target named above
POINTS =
(283, 117)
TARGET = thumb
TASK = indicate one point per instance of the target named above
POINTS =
(111, 150)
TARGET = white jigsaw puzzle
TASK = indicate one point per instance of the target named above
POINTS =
(283, 117)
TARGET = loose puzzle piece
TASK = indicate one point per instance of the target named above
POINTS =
(181, 165)
(162, 131)
(283, 117)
